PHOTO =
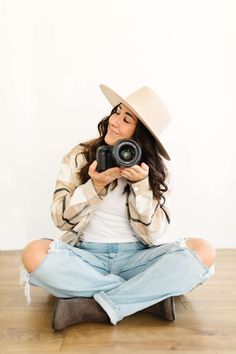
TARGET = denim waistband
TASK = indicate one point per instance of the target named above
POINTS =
(110, 247)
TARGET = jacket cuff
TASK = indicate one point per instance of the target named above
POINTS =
(140, 187)
(87, 193)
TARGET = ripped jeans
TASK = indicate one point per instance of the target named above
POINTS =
(123, 278)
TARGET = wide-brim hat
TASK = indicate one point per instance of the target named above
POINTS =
(148, 107)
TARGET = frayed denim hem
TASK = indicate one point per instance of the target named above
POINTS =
(24, 280)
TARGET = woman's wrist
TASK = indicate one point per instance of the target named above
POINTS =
(97, 186)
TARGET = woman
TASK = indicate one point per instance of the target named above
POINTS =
(109, 263)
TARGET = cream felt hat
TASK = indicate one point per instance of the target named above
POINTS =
(148, 107)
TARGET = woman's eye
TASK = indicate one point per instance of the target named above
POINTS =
(118, 113)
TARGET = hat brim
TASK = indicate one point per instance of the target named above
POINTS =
(116, 99)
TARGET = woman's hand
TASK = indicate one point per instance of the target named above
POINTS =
(135, 173)
(101, 179)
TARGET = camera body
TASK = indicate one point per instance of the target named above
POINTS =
(125, 153)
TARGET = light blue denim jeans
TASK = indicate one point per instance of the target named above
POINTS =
(122, 277)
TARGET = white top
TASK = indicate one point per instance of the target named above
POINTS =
(109, 222)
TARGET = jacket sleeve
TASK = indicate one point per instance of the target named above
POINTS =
(72, 201)
(147, 217)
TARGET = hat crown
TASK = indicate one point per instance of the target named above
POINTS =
(148, 104)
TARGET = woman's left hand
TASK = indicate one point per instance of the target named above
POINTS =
(135, 173)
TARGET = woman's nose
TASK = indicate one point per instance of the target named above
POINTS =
(116, 120)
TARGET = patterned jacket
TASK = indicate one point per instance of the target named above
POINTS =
(74, 203)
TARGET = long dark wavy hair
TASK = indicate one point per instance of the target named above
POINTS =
(150, 155)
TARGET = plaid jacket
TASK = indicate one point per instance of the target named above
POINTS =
(74, 203)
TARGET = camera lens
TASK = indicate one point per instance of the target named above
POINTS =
(126, 152)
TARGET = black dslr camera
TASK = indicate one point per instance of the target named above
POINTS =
(125, 153)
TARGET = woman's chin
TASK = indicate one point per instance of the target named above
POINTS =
(109, 140)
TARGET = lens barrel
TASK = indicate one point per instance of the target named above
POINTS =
(126, 152)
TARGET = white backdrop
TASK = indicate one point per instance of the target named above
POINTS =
(54, 54)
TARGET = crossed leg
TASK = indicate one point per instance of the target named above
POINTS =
(38, 249)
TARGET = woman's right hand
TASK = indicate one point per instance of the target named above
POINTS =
(101, 179)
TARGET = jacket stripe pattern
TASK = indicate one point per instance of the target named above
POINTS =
(74, 203)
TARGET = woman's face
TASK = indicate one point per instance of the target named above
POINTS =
(121, 125)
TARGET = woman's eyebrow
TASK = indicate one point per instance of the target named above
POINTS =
(128, 114)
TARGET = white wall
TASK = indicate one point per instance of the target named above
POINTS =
(54, 54)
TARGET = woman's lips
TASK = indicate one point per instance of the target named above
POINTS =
(112, 131)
